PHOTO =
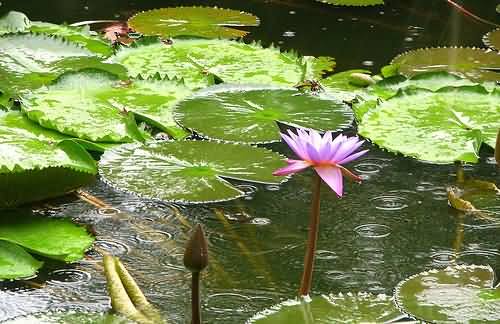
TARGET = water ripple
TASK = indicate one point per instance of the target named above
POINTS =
(153, 236)
(373, 230)
(390, 202)
(69, 277)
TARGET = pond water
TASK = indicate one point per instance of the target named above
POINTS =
(395, 224)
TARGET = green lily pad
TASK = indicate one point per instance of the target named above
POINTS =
(192, 21)
(468, 62)
(349, 308)
(187, 171)
(195, 60)
(37, 164)
(54, 238)
(385, 89)
(457, 294)
(249, 113)
(14, 22)
(28, 61)
(16, 263)
(353, 2)
(85, 105)
(79, 35)
(442, 127)
(338, 85)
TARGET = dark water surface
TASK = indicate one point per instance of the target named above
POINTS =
(393, 225)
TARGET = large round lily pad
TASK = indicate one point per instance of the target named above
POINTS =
(195, 60)
(349, 308)
(443, 126)
(36, 164)
(192, 21)
(187, 171)
(14, 22)
(469, 62)
(97, 107)
(457, 294)
(249, 113)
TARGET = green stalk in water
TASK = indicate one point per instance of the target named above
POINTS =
(497, 149)
(127, 298)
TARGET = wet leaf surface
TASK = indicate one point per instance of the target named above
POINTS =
(188, 171)
(15, 262)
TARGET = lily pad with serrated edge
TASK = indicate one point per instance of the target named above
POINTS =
(358, 3)
(318, 66)
(456, 294)
(342, 308)
(79, 35)
(441, 127)
(187, 171)
(465, 61)
(195, 60)
(54, 238)
(492, 39)
(246, 113)
(28, 61)
(37, 164)
(192, 21)
(84, 105)
(14, 22)
(16, 263)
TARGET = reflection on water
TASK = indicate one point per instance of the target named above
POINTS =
(395, 224)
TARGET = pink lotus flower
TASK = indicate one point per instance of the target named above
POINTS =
(324, 154)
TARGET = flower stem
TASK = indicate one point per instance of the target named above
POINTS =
(195, 298)
(305, 285)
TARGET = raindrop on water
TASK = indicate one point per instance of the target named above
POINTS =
(390, 202)
(69, 277)
(153, 236)
(288, 33)
(373, 230)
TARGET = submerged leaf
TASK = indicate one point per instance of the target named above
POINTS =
(54, 238)
(444, 126)
(36, 164)
(196, 59)
(249, 113)
(187, 171)
(15, 262)
(79, 35)
(192, 21)
(457, 294)
(349, 308)
(472, 63)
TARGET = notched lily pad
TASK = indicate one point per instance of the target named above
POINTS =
(349, 308)
(195, 60)
(338, 85)
(442, 127)
(469, 62)
(457, 294)
(187, 171)
(248, 114)
(192, 21)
